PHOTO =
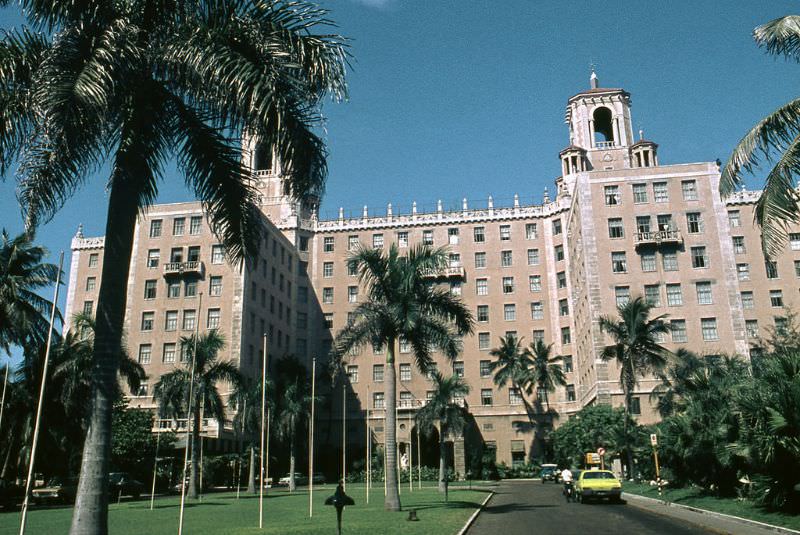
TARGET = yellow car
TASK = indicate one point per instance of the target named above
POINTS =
(597, 484)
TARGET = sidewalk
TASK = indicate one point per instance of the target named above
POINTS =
(717, 522)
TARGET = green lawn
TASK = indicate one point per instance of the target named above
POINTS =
(694, 497)
(223, 514)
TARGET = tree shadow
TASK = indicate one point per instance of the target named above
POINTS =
(514, 507)
(452, 504)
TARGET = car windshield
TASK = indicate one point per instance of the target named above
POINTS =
(115, 477)
(598, 475)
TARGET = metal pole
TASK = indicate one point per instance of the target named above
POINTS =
(344, 436)
(397, 449)
(261, 481)
(266, 451)
(239, 477)
(3, 399)
(658, 471)
(201, 464)
(189, 419)
(368, 464)
(311, 440)
(155, 470)
(410, 457)
(419, 462)
(32, 461)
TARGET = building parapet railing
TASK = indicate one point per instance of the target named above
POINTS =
(449, 272)
(180, 268)
(88, 243)
(743, 196)
(604, 144)
(658, 237)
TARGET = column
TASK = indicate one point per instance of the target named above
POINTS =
(459, 457)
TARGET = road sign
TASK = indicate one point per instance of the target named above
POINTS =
(592, 458)
(653, 440)
(601, 451)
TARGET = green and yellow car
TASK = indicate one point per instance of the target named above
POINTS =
(597, 485)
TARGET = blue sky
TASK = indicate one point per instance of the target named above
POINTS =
(453, 99)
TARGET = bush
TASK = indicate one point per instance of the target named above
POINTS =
(428, 474)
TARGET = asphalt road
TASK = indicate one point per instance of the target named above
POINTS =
(530, 507)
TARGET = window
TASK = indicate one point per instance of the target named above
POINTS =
(747, 300)
(478, 234)
(377, 400)
(352, 294)
(660, 192)
(708, 326)
(486, 397)
(652, 294)
(648, 262)
(622, 294)
(510, 312)
(689, 190)
(556, 227)
(427, 237)
(772, 269)
(91, 283)
(751, 327)
(485, 367)
(189, 320)
(405, 373)
(327, 270)
(678, 331)
(538, 335)
(508, 285)
(190, 289)
(559, 252)
(506, 258)
(665, 222)
(563, 307)
(352, 373)
(794, 241)
(480, 260)
(193, 254)
(483, 313)
(699, 257)
(797, 268)
(531, 231)
(455, 288)
(302, 320)
(88, 306)
(738, 245)
(402, 239)
(618, 262)
(454, 260)
(327, 295)
(168, 354)
(458, 368)
(452, 236)
(153, 256)
(537, 310)
(743, 272)
(481, 287)
(176, 254)
(377, 373)
(327, 244)
(155, 228)
(734, 219)
(643, 223)
(178, 226)
(195, 224)
(352, 242)
(514, 397)
(377, 241)
(566, 336)
(533, 257)
(694, 223)
(612, 195)
(484, 340)
(776, 298)
(704, 296)
(215, 286)
(535, 283)
(640, 193)
(150, 289)
(615, 228)
(327, 319)
(674, 295)
(636, 405)
(505, 232)
(571, 393)
(217, 254)
(171, 320)
(212, 320)
(93, 258)
(148, 318)
(145, 353)
(561, 279)
(567, 360)
(352, 269)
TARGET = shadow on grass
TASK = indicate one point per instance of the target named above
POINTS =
(452, 504)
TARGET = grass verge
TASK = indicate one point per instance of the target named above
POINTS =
(284, 513)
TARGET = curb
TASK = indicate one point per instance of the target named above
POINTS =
(713, 514)
(475, 514)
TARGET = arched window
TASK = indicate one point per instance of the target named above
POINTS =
(262, 161)
(603, 126)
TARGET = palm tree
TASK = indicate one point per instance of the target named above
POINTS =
(402, 303)
(293, 407)
(635, 349)
(675, 379)
(246, 400)
(775, 139)
(24, 314)
(545, 372)
(172, 390)
(513, 365)
(445, 409)
(129, 85)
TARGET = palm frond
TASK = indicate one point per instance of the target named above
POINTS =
(780, 36)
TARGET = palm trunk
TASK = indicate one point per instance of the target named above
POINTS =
(627, 391)
(392, 501)
(7, 461)
(251, 478)
(442, 460)
(292, 482)
(193, 473)
(90, 514)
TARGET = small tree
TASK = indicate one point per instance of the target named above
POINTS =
(133, 447)
(246, 400)
(545, 371)
(293, 407)
(513, 365)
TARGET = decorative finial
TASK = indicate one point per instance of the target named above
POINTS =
(545, 196)
(414, 208)
(365, 214)
(641, 134)
(593, 83)
(389, 209)
(79, 234)
(516, 200)
(491, 202)
(439, 206)
(464, 204)
(341, 213)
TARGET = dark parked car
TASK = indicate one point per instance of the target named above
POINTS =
(122, 484)
(57, 490)
(11, 495)
(549, 472)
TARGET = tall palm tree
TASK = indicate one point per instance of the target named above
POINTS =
(24, 314)
(675, 379)
(774, 139)
(636, 350)
(246, 401)
(445, 409)
(402, 302)
(172, 390)
(513, 365)
(293, 407)
(129, 85)
(545, 371)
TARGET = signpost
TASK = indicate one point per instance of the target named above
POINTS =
(601, 452)
(654, 443)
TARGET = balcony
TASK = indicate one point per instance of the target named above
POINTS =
(450, 272)
(659, 237)
(604, 144)
(184, 268)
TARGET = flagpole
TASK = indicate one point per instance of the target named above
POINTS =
(410, 457)
(189, 419)
(266, 451)
(261, 481)
(368, 464)
(344, 436)
(239, 476)
(419, 462)
(155, 470)
(311, 440)
(3, 399)
(32, 460)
